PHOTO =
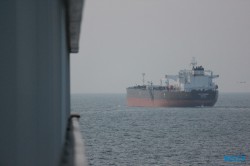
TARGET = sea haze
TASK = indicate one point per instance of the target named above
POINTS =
(115, 134)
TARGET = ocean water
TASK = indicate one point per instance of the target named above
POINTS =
(115, 134)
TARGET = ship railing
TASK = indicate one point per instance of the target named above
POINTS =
(74, 153)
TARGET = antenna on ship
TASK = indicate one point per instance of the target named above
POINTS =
(143, 78)
(193, 62)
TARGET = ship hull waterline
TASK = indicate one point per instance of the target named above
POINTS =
(145, 98)
(137, 102)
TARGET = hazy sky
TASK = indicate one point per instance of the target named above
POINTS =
(121, 39)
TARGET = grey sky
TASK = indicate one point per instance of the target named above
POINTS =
(120, 39)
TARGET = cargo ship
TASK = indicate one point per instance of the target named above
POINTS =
(190, 88)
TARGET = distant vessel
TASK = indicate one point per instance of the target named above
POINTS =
(190, 88)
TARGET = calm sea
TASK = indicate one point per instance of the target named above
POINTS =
(115, 134)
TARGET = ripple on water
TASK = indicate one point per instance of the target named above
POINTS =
(119, 135)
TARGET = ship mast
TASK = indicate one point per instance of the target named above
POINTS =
(193, 62)
(143, 78)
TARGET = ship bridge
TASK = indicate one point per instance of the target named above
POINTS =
(196, 79)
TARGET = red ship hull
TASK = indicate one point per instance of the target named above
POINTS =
(164, 98)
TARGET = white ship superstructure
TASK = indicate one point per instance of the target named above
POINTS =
(195, 79)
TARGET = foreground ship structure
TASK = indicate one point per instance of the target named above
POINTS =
(190, 88)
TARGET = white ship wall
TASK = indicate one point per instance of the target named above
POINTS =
(197, 82)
